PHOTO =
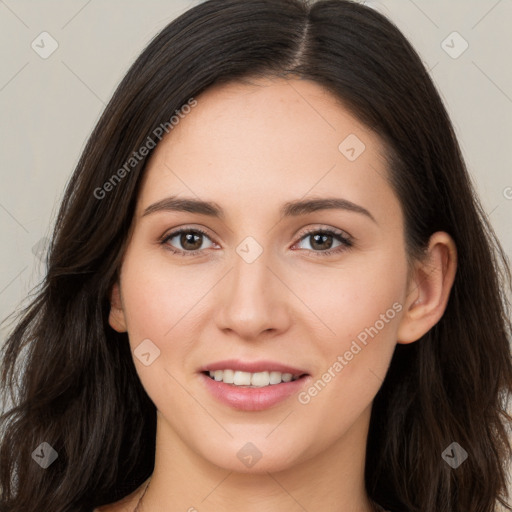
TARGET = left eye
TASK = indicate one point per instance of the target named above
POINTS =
(321, 241)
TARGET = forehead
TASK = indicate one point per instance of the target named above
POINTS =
(266, 140)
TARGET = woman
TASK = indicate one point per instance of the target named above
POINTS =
(270, 286)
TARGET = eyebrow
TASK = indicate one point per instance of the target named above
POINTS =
(289, 209)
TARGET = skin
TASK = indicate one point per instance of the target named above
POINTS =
(250, 147)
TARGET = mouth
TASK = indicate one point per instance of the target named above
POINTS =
(252, 374)
(238, 378)
(232, 384)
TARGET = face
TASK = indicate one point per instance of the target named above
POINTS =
(318, 289)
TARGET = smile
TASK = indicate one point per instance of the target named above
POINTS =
(247, 379)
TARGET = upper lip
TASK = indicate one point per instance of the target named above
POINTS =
(253, 367)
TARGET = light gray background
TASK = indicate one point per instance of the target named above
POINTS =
(49, 106)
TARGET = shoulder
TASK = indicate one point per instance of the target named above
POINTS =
(127, 504)
(124, 505)
(119, 506)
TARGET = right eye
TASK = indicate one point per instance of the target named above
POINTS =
(190, 239)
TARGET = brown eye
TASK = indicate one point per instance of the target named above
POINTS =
(186, 241)
(191, 241)
(321, 241)
(326, 241)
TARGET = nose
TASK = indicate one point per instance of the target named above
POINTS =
(253, 300)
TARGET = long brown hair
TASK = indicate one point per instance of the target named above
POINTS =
(71, 378)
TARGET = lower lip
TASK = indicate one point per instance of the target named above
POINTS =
(253, 399)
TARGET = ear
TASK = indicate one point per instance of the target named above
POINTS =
(429, 289)
(116, 317)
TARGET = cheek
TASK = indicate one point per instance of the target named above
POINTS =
(360, 295)
(159, 299)
(362, 308)
(159, 304)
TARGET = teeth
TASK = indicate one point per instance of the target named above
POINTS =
(242, 379)
(257, 380)
(275, 377)
(227, 376)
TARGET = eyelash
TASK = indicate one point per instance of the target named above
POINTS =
(346, 242)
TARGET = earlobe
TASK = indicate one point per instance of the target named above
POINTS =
(429, 289)
(116, 317)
